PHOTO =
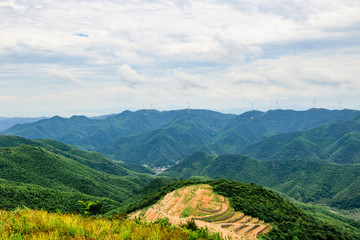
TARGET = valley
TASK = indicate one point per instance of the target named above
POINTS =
(132, 163)
(159, 139)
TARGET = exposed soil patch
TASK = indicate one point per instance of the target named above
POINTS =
(209, 210)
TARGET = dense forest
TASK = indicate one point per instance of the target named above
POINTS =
(162, 138)
(45, 174)
(308, 156)
(305, 180)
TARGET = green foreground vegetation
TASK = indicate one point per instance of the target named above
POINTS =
(37, 224)
(49, 175)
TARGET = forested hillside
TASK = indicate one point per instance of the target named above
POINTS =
(252, 127)
(6, 122)
(42, 173)
(163, 138)
(307, 181)
(338, 142)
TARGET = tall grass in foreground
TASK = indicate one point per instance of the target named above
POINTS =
(38, 224)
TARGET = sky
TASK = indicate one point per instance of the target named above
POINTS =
(99, 57)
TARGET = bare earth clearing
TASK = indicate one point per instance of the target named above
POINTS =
(209, 210)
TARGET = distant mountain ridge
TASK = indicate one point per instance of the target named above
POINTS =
(255, 126)
(338, 142)
(7, 122)
(163, 138)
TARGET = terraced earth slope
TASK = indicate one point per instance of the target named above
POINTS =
(208, 209)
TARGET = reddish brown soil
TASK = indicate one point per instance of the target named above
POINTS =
(186, 202)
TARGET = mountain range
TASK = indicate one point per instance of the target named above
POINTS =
(311, 156)
(338, 142)
(163, 138)
(320, 182)
(319, 165)
(7, 122)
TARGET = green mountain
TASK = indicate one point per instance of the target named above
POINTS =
(6, 123)
(287, 220)
(255, 126)
(323, 182)
(160, 147)
(95, 133)
(46, 168)
(338, 142)
(163, 138)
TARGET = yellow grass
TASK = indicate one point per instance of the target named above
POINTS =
(36, 224)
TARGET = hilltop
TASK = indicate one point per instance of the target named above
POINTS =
(7, 122)
(162, 138)
(208, 209)
(235, 209)
(338, 142)
(305, 180)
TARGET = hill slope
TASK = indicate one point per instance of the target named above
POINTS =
(6, 123)
(95, 133)
(337, 142)
(287, 220)
(255, 126)
(47, 164)
(307, 181)
(163, 138)
(160, 147)
(208, 209)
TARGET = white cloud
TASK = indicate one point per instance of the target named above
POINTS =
(132, 78)
(14, 5)
(211, 51)
(64, 76)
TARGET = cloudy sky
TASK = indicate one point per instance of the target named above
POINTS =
(95, 57)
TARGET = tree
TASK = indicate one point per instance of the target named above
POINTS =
(91, 208)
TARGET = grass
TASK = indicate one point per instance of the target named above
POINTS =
(216, 198)
(177, 193)
(187, 212)
(39, 224)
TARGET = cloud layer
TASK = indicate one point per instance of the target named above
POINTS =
(90, 57)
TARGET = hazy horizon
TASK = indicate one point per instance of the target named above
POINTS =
(100, 113)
